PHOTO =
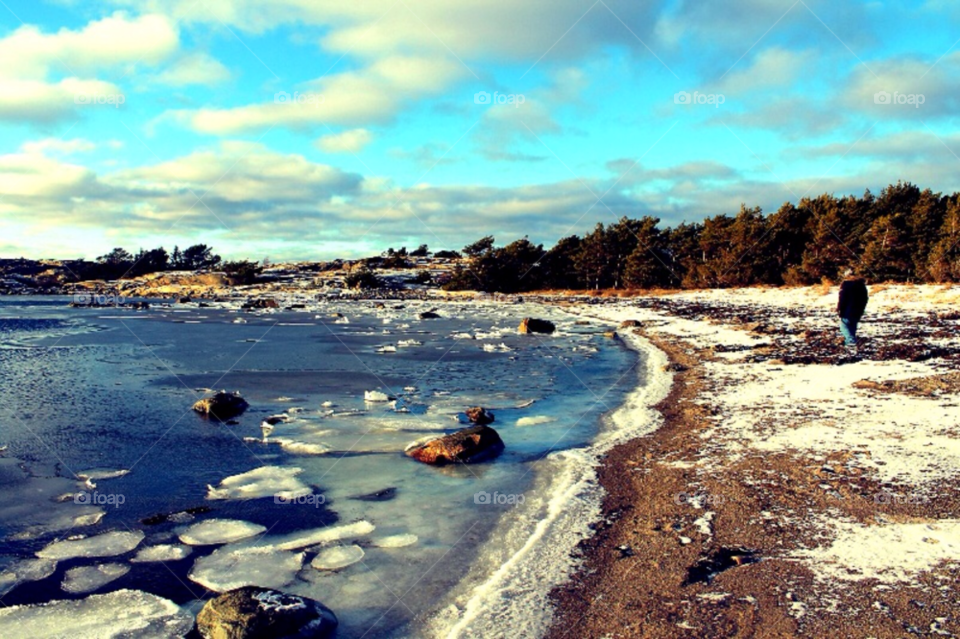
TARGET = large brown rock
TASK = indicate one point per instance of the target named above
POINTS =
(630, 324)
(533, 325)
(222, 406)
(470, 445)
(262, 613)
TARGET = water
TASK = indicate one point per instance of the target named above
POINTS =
(111, 389)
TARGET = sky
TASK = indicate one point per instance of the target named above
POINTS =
(314, 129)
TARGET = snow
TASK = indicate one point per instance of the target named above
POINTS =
(376, 396)
(337, 557)
(887, 552)
(229, 568)
(162, 552)
(108, 544)
(265, 481)
(220, 531)
(118, 615)
(83, 579)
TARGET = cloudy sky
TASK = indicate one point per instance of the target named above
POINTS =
(322, 128)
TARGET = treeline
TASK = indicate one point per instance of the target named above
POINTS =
(902, 235)
(120, 263)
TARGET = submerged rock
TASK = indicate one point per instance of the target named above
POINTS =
(533, 325)
(222, 406)
(480, 416)
(470, 445)
(254, 613)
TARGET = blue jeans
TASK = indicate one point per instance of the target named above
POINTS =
(848, 328)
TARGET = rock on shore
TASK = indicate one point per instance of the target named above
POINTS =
(470, 445)
(262, 613)
(222, 406)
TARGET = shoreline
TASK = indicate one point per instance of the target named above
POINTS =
(726, 522)
(515, 592)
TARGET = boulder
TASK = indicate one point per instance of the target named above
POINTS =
(630, 324)
(470, 445)
(480, 416)
(183, 300)
(674, 367)
(611, 335)
(140, 306)
(533, 325)
(264, 302)
(429, 315)
(222, 406)
(261, 613)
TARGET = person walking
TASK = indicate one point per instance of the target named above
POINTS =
(851, 305)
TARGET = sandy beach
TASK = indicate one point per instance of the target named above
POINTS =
(794, 488)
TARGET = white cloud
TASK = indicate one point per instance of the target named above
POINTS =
(372, 94)
(772, 67)
(30, 53)
(351, 141)
(40, 101)
(900, 78)
(195, 68)
(56, 145)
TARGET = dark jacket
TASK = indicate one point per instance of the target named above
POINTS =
(853, 299)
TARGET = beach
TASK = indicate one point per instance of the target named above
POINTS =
(795, 488)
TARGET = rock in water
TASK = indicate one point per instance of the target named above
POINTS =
(255, 613)
(222, 406)
(480, 416)
(470, 445)
(429, 315)
(532, 325)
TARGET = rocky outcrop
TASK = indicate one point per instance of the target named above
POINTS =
(470, 445)
(262, 613)
(480, 416)
(533, 325)
(222, 406)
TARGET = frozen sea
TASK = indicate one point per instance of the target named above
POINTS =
(98, 401)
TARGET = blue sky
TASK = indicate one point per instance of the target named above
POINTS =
(160, 122)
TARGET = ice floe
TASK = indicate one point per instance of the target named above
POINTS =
(220, 531)
(162, 552)
(83, 579)
(108, 544)
(395, 541)
(261, 482)
(25, 570)
(317, 536)
(337, 557)
(535, 420)
(228, 568)
(117, 615)
(375, 396)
